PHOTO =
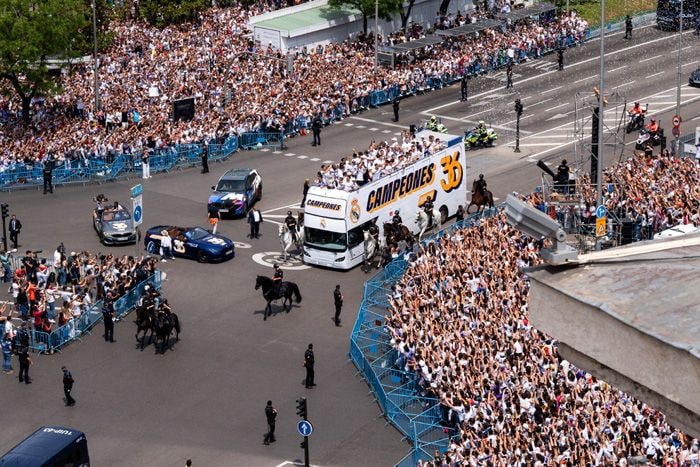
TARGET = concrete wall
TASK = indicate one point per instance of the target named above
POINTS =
(423, 12)
(653, 371)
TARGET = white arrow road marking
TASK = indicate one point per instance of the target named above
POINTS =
(558, 116)
(556, 106)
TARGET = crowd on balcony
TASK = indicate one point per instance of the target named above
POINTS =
(238, 85)
(458, 319)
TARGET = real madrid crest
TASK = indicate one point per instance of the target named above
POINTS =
(354, 211)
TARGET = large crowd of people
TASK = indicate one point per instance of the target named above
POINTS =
(238, 85)
(50, 293)
(458, 319)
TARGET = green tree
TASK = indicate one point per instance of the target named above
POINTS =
(164, 12)
(366, 7)
(32, 32)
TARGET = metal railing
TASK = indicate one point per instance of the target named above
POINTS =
(75, 328)
(397, 392)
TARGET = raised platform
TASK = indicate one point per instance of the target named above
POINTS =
(631, 316)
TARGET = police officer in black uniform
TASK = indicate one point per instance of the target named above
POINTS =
(428, 208)
(271, 416)
(68, 386)
(395, 108)
(562, 178)
(291, 224)
(24, 362)
(108, 319)
(509, 75)
(309, 362)
(48, 175)
(464, 88)
(338, 301)
(316, 125)
(560, 58)
(277, 278)
(628, 27)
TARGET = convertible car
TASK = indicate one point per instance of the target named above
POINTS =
(191, 242)
(114, 226)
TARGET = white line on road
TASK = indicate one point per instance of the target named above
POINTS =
(557, 106)
(280, 208)
(540, 102)
(521, 119)
(618, 68)
(550, 90)
(650, 58)
(302, 157)
(655, 74)
(328, 162)
(585, 79)
(695, 118)
(314, 159)
(369, 120)
(542, 75)
(290, 154)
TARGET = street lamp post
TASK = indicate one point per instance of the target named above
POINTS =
(94, 56)
(601, 120)
(677, 132)
(376, 35)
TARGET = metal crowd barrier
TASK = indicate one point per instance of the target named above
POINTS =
(259, 139)
(416, 417)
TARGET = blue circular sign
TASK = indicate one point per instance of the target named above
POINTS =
(600, 212)
(137, 213)
(305, 428)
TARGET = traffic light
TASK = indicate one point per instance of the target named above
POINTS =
(518, 107)
(5, 210)
(301, 407)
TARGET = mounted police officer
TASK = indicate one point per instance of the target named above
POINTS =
(277, 278)
(291, 224)
(480, 185)
(428, 208)
(396, 220)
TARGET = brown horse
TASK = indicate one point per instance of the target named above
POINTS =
(480, 199)
(396, 233)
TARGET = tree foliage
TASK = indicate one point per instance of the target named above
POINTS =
(367, 7)
(32, 32)
(164, 12)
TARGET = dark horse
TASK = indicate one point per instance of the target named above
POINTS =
(164, 326)
(480, 199)
(285, 291)
(395, 233)
(145, 321)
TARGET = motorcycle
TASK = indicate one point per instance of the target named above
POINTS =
(635, 120)
(645, 136)
(473, 138)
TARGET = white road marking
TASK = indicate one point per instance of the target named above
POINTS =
(314, 159)
(270, 258)
(541, 75)
(302, 157)
(655, 74)
(557, 106)
(551, 90)
(618, 68)
(349, 124)
(585, 79)
(377, 122)
(360, 126)
(695, 118)
(289, 154)
(276, 152)
(386, 131)
(498, 127)
(264, 149)
(558, 116)
(541, 102)
(328, 162)
(521, 119)
(295, 464)
(242, 245)
(373, 129)
(650, 58)
(281, 208)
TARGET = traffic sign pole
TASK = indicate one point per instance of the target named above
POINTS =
(137, 211)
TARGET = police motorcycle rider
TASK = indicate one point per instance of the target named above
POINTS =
(636, 115)
(432, 123)
(291, 224)
(481, 132)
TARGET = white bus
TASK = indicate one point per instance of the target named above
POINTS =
(335, 220)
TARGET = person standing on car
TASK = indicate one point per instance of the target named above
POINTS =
(68, 386)
(338, 301)
(255, 218)
(309, 362)
(271, 416)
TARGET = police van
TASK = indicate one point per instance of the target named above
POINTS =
(335, 220)
(50, 446)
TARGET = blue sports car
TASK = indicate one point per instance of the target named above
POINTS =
(236, 192)
(191, 242)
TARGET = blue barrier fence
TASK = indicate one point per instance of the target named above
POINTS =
(74, 329)
(418, 418)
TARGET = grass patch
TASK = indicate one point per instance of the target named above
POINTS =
(615, 10)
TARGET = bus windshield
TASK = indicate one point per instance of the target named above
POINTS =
(325, 240)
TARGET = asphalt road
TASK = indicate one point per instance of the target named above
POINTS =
(204, 400)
